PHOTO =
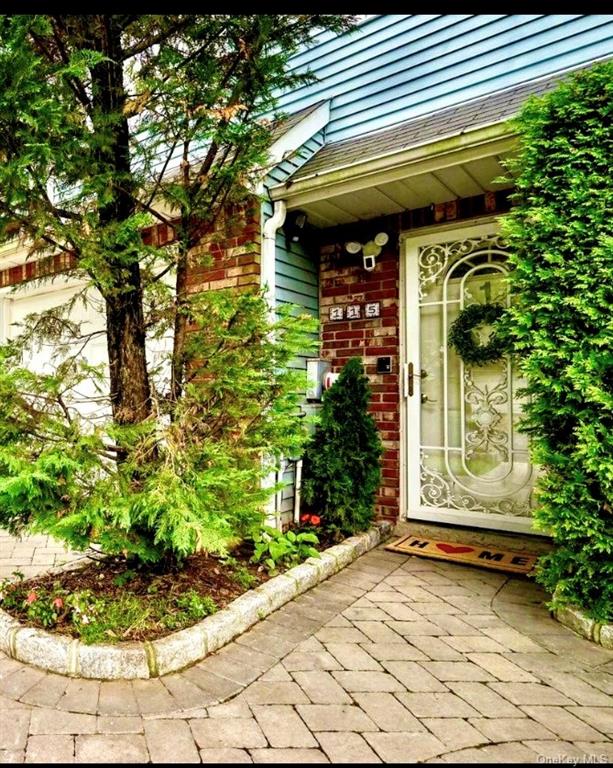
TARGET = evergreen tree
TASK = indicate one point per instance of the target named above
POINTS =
(561, 241)
(110, 123)
(342, 469)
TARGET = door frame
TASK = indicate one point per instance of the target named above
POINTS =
(410, 413)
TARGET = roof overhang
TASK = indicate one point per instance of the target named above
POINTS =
(487, 141)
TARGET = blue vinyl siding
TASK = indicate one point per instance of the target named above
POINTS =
(296, 271)
(297, 282)
(392, 68)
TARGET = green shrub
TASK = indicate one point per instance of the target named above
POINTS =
(342, 469)
(561, 240)
(275, 548)
(186, 480)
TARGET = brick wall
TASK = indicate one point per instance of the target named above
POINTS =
(226, 257)
(344, 282)
(31, 270)
(229, 255)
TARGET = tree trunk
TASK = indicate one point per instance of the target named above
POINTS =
(130, 389)
(129, 379)
(180, 329)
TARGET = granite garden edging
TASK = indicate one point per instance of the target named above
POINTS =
(68, 656)
(574, 618)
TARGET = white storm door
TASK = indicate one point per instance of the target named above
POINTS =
(467, 463)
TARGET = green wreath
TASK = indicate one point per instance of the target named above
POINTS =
(462, 339)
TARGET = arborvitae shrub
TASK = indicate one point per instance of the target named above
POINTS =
(342, 469)
(561, 242)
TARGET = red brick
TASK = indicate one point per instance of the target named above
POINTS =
(350, 335)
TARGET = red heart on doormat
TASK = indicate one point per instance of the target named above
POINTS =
(451, 550)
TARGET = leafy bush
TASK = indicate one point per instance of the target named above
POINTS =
(186, 480)
(342, 471)
(561, 242)
(275, 548)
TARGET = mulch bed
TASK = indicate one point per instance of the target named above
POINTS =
(205, 574)
(111, 578)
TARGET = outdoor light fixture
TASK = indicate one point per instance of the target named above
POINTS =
(370, 250)
(294, 226)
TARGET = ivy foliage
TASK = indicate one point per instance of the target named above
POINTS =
(342, 469)
(162, 487)
(560, 236)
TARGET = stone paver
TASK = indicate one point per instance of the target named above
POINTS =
(236, 732)
(564, 724)
(436, 705)
(113, 724)
(117, 697)
(454, 732)
(321, 687)
(394, 659)
(368, 681)
(405, 747)
(283, 727)
(487, 701)
(80, 696)
(47, 692)
(352, 657)
(288, 756)
(347, 748)
(501, 668)
(335, 717)
(225, 755)
(530, 693)
(598, 717)
(111, 749)
(170, 741)
(511, 729)
(412, 677)
(50, 749)
(387, 712)
(13, 730)
(275, 693)
(49, 721)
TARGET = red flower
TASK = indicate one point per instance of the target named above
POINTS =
(31, 598)
(315, 520)
(58, 603)
(305, 518)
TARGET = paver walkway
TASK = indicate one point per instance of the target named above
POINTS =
(395, 659)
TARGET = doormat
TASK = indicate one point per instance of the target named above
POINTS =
(469, 554)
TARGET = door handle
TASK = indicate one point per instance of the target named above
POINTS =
(409, 379)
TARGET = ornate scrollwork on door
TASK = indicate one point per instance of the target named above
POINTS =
(437, 491)
(486, 416)
(434, 259)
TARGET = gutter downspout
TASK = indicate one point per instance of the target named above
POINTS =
(268, 283)
(267, 269)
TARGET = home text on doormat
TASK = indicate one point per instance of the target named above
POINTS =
(469, 554)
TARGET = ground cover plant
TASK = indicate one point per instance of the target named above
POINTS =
(560, 236)
(110, 600)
